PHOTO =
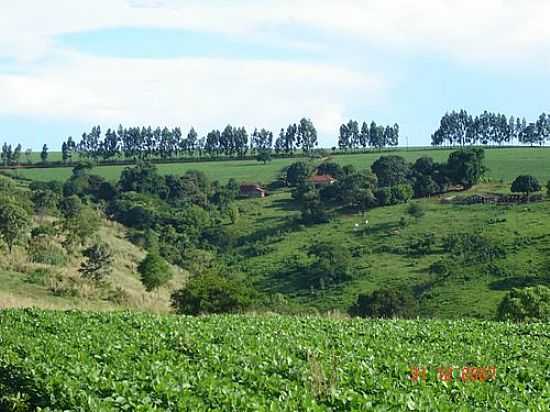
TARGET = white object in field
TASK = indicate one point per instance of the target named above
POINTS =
(366, 222)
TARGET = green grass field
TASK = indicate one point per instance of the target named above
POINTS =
(120, 361)
(383, 256)
(503, 164)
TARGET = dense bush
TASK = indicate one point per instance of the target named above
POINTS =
(211, 293)
(526, 184)
(401, 193)
(473, 247)
(386, 196)
(416, 210)
(385, 303)
(44, 250)
(527, 304)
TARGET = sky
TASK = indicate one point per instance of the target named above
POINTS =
(67, 65)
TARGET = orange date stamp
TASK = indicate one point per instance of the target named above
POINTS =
(450, 374)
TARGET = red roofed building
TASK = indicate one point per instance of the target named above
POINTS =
(252, 190)
(321, 180)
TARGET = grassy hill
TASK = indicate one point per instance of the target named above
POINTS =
(26, 284)
(122, 361)
(504, 164)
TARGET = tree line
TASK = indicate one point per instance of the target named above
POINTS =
(461, 128)
(373, 135)
(145, 142)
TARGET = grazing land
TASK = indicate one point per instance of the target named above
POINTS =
(123, 361)
(385, 252)
(503, 163)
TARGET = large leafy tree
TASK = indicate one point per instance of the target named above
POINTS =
(466, 167)
(331, 265)
(155, 272)
(391, 170)
(298, 172)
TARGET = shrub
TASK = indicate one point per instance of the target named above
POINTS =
(401, 193)
(383, 196)
(416, 210)
(44, 250)
(211, 293)
(422, 244)
(98, 263)
(385, 303)
(473, 247)
(524, 305)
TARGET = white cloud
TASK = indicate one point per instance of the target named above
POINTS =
(203, 92)
(211, 92)
(468, 30)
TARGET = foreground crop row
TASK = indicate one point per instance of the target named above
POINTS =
(122, 361)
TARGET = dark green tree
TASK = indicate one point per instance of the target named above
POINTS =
(385, 303)
(526, 184)
(466, 167)
(391, 170)
(298, 172)
(44, 154)
(154, 271)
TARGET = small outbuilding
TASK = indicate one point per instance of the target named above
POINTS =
(252, 190)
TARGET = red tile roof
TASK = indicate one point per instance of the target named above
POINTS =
(321, 179)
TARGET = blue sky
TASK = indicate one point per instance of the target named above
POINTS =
(65, 67)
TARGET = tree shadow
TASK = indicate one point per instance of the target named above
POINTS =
(519, 282)
(284, 204)
(272, 231)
